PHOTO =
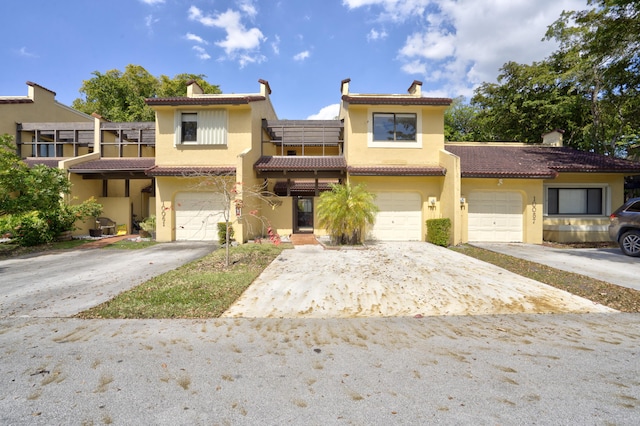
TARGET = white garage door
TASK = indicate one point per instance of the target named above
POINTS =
(399, 217)
(495, 216)
(197, 215)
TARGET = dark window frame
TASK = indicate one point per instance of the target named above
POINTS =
(47, 150)
(189, 128)
(594, 202)
(396, 131)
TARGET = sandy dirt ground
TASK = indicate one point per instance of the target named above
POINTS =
(395, 279)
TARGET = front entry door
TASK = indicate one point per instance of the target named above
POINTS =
(303, 215)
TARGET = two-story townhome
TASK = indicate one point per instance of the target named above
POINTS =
(393, 143)
(205, 144)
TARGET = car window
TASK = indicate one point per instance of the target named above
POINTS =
(635, 207)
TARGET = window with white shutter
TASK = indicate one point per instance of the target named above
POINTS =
(208, 127)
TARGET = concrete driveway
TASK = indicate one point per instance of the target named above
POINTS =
(395, 279)
(605, 264)
(450, 369)
(62, 284)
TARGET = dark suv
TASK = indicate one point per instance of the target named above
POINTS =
(625, 227)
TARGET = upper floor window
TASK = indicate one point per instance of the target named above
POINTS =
(576, 201)
(394, 126)
(388, 129)
(189, 127)
(47, 150)
(208, 127)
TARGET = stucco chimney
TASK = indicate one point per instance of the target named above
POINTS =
(193, 88)
(344, 86)
(265, 89)
(553, 138)
(416, 88)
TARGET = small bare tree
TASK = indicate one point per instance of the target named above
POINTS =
(247, 200)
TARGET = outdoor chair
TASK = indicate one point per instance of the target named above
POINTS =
(107, 225)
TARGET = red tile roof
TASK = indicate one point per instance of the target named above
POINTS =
(534, 162)
(301, 187)
(190, 170)
(397, 171)
(45, 161)
(205, 100)
(121, 164)
(300, 163)
(8, 100)
(32, 84)
(395, 100)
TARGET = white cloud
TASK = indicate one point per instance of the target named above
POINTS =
(196, 14)
(376, 35)
(201, 52)
(429, 45)
(392, 10)
(248, 8)
(467, 41)
(415, 67)
(25, 53)
(301, 56)
(239, 41)
(196, 38)
(245, 59)
(149, 21)
(238, 37)
(275, 45)
(329, 112)
(152, 2)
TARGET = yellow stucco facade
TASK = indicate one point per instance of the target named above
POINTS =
(423, 167)
(39, 105)
(243, 124)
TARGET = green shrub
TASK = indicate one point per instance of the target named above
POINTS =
(439, 231)
(222, 234)
(30, 229)
(6, 225)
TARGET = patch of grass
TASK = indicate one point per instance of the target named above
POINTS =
(204, 288)
(620, 298)
(131, 244)
(10, 249)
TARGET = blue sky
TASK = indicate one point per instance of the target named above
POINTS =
(304, 48)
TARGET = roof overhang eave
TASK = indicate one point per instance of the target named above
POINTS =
(481, 175)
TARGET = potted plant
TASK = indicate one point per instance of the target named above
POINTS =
(148, 227)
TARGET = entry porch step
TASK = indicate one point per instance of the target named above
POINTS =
(303, 239)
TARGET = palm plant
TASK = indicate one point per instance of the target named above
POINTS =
(345, 210)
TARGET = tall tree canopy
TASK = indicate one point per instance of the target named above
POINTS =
(119, 96)
(589, 87)
(460, 123)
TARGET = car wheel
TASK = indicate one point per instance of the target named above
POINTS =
(630, 243)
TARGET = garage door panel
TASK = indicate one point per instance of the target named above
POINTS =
(495, 217)
(197, 216)
(399, 217)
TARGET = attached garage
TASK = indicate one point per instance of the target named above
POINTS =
(399, 217)
(197, 215)
(495, 216)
